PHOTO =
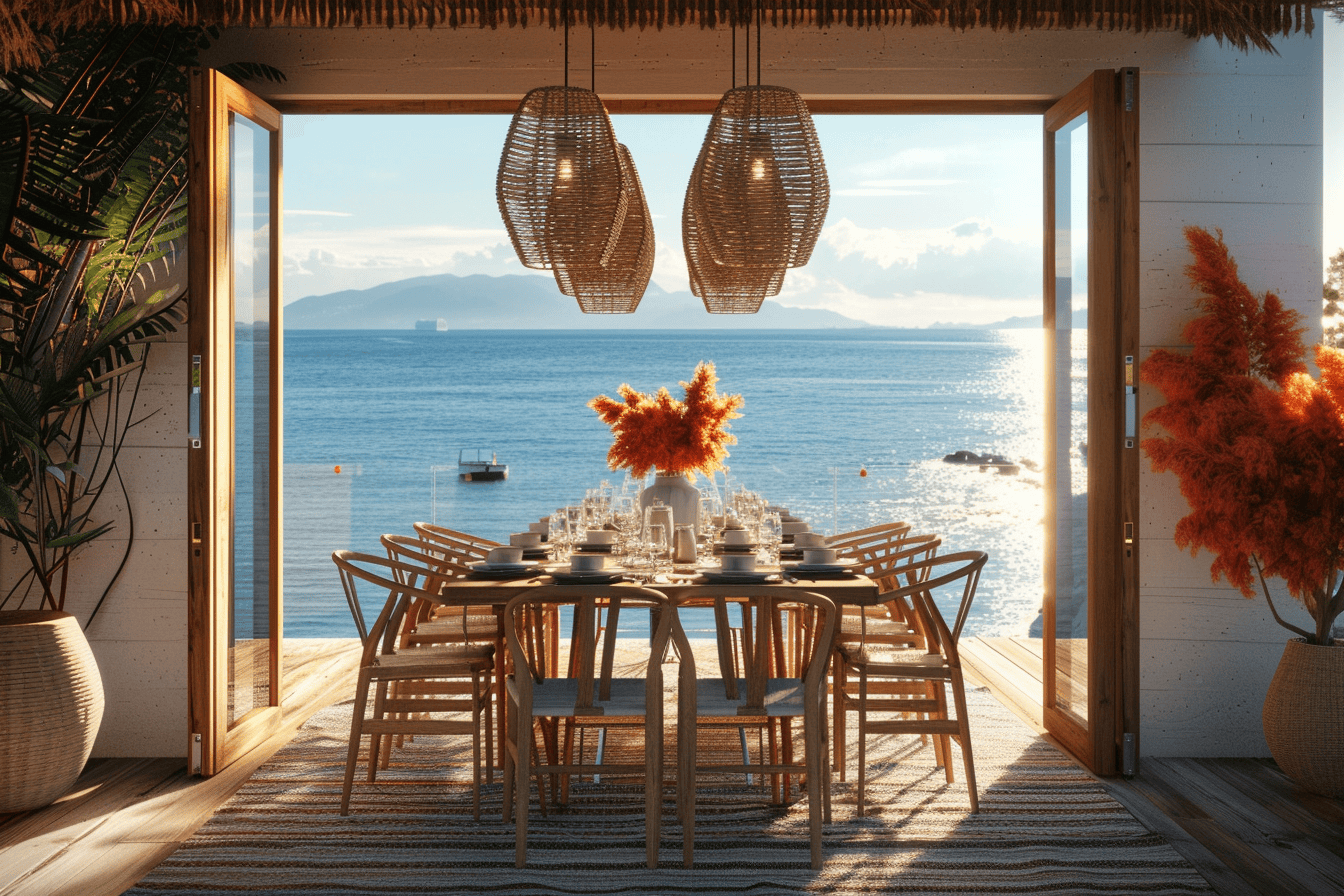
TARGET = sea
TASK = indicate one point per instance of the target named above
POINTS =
(846, 428)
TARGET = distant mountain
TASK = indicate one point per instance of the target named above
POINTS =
(523, 302)
(1028, 322)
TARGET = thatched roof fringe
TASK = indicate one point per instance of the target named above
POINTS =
(1242, 23)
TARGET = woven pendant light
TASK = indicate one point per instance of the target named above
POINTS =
(559, 184)
(617, 286)
(761, 189)
(738, 289)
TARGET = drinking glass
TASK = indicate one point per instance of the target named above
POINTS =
(771, 535)
(659, 547)
(558, 535)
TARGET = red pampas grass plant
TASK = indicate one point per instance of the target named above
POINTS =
(658, 432)
(1256, 441)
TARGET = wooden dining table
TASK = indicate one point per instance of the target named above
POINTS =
(471, 591)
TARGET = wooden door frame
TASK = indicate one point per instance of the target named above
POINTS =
(212, 745)
(1118, 683)
(1109, 744)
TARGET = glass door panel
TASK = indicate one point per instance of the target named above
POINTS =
(250, 651)
(1069, 626)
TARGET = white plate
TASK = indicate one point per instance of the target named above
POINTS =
(837, 566)
(737, 577)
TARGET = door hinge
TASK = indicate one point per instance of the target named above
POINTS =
(1130, 76)
(194, 404)
(196, 753)
(1129, 757)
(1131, 404)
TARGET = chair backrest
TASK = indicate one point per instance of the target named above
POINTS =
(528, 646)
(853, 543)
(383, 574)
(439, 566)
(941, 573)
(463, 545)
(761, 661)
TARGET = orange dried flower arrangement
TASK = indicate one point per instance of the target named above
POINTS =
(658, 432)
(1257, 443)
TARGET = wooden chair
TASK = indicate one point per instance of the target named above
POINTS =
(590, 692)
(422, 627)
(383, 665)
(773, 685)
(935, 667)
(892, 622)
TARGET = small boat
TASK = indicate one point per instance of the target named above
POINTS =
(480, 465)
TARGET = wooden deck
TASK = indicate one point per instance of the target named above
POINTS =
(1240, 822)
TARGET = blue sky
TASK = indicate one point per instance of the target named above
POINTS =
(932, 219)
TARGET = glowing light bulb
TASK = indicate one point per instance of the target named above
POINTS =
(758, 168)
(565, 169)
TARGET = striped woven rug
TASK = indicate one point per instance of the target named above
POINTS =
(1044, 826)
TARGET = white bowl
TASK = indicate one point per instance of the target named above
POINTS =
(793, 528)
(819, 556)
(541, 528)
(586, 562)
(736, 536)
(504, 555)
(809, 540)
(525, 539)
(601, 536)
(739, 562)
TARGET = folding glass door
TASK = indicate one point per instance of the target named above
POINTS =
(234, 460)
(1090, 613)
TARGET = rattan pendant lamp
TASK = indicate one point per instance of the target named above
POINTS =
(559, 186)
(758, 195)
(617, 285)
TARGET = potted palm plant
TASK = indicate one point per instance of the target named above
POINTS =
(1258, 445)
(92, 209)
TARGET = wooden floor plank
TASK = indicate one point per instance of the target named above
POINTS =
(1213, 869)
(1313, 868)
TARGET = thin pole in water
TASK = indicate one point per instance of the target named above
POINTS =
(835, 500)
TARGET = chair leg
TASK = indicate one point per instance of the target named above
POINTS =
(356, 731)
(522, 755)
(863, 738)
(813, 740)
(653, 787)
(964, 738)
(476, 746)
(838, 675)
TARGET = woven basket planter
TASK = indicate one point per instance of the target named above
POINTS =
(51, 704)
(1304, 716)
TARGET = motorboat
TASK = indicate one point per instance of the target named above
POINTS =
(480, 465)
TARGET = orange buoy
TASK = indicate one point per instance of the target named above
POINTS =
(338, 468)
(863, 472)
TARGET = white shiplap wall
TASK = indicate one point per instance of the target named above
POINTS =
(1229, 140)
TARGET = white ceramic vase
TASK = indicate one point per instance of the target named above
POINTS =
(676, 492)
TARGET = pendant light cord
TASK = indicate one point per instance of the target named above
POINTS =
(758, 44)
(566, 15)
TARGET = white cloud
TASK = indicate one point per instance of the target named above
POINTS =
(887, 246)
(919, 309)
(412, 248)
